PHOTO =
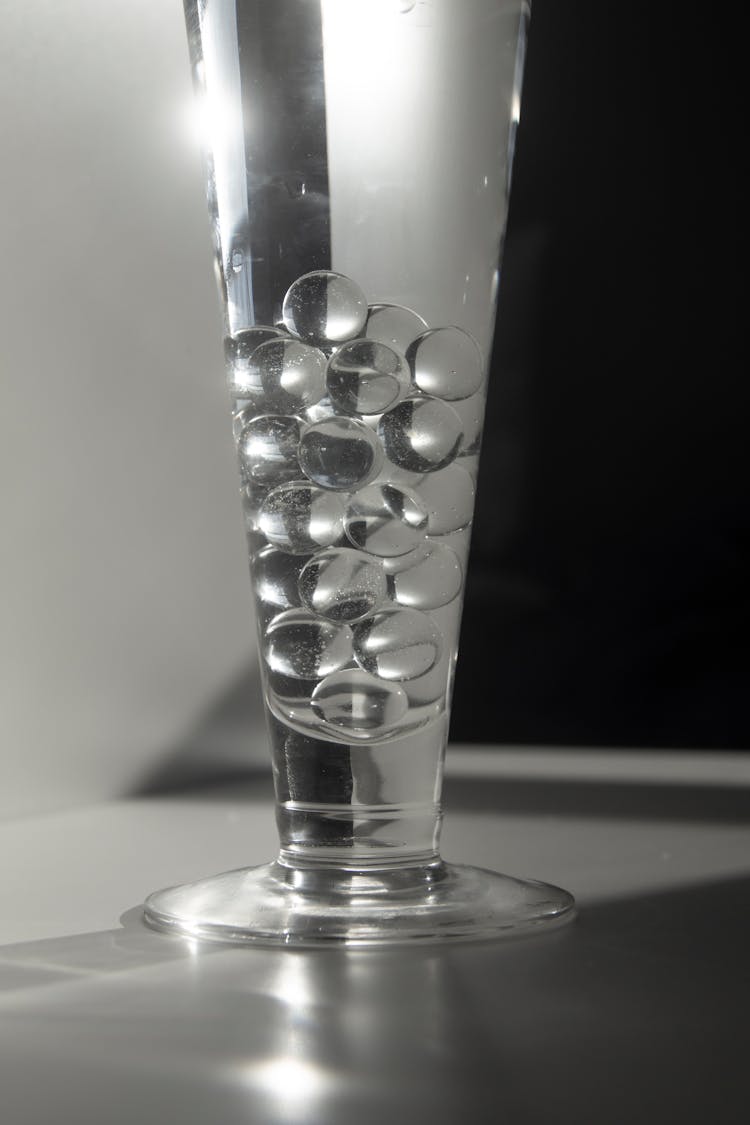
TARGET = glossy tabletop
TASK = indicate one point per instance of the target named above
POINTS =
(636, 1012)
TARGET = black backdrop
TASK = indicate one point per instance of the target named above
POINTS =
(608, 594)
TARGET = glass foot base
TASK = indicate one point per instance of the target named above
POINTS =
(305, 906)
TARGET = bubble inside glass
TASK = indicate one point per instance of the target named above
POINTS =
(359, 156)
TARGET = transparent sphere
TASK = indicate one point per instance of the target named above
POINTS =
(288, 375)
(366, 377)
(255, 542)
(397, 644)
(241, 417)
(275, 578)
(267, 448)
(397, 563)
(428, 689)
(446, 363)
(302, 646)
(239, 350)
(318, 411)
(340, 453)
(471, 413)
(391, 474)
(355, 700)
(433, 581)
(394, 325)
(300, 518)
(342, 585)
(385, 520)
(289, 694)
(448, 497)
(324, 308)
(421, 434)
(252, 496)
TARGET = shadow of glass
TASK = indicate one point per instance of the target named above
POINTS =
(577, 797)
(77, 957)
(619, 799)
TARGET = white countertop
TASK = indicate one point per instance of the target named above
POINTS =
(635, 1012)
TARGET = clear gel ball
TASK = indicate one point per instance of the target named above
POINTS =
(429, 689)
(267, 448)
(342, 584)
(398, 563)
(290, 696)
(241, 418)
(391, 474)
(288, 375)
(385, 520)
(340, 453)
(318, 411)
(366, 377)
(324, 308)
(252, 496)
(275, 578)
(421, 434)
(394, 325)
(239, 350)
(446, 363)
(471, 413)
(397, 644)
(448, 497)
(355, 700)
(300, 645)
(433, 581)
(301, 518)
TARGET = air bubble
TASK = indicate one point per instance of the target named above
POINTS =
(267, 448)
(239, 351)
(340, 454)
(446, 363)
(433, 581)
(287, 375)
(355, 700)
(385, 520)
(301, 518)
(394, 325)
(366, 377)
(300, 645)
(421, 434)
(448, 496)
(275, 578)
(342, 584)
(397, 644)
(325, 308)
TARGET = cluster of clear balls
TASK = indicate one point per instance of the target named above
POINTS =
(348, 444)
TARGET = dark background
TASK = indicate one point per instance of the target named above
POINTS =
(607, 602)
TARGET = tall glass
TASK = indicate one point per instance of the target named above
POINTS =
(359, 156)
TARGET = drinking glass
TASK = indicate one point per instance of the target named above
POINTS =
(359, 156)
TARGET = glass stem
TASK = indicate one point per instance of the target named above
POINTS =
(343, 804)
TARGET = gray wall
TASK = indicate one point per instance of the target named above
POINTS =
(125, 602)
